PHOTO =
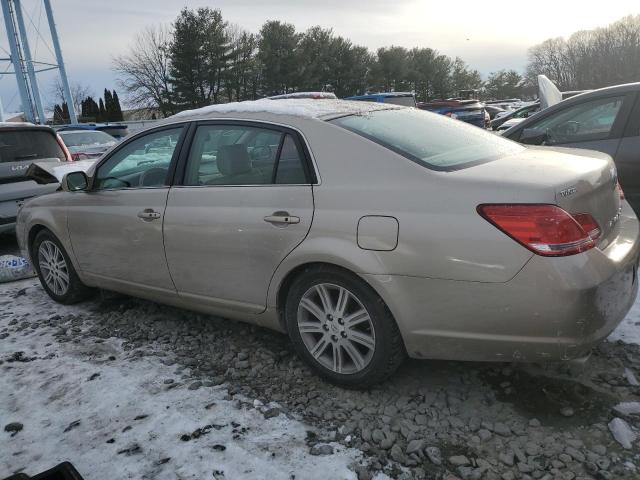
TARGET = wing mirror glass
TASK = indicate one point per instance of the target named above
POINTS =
(533, 136)
(75, 182)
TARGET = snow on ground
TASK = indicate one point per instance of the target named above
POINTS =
(114, 415)
(629, 330)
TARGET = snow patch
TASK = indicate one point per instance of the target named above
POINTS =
(290, 106)
(113, 416)
(622, 432)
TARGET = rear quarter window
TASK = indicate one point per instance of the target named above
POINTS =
(28, 145)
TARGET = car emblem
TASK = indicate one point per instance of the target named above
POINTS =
(15, 168)
(568, 191)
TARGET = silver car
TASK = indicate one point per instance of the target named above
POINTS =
(367, 232)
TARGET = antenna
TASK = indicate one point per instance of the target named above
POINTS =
(25, 67)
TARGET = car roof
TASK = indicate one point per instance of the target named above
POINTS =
(269, 110)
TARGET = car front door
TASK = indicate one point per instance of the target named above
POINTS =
(116, 225)
(628, 158)
(595, 124)
(244, 203)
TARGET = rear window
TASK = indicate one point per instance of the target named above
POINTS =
(28, 144)
(117, 132)
(429, 139)
(407, 101)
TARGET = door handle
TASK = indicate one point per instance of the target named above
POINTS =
(281, 218)
(148, 214)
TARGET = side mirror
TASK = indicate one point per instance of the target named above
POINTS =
(75, 182)
(533, 136)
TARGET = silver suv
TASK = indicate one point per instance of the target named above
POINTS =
(20, 145)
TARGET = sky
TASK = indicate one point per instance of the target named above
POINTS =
(489, 36)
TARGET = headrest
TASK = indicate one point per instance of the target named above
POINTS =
(233, 159)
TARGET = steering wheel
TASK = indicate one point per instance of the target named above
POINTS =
(154, 177)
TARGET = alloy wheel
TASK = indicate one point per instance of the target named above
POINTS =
(53, 267)
(336, 328)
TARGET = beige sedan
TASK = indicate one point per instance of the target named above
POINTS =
(367, 232)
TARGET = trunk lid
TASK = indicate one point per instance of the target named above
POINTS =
(578, 181)
(593, 191)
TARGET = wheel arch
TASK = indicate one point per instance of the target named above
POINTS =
(293, 273)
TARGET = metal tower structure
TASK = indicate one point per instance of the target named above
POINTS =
(25, 67)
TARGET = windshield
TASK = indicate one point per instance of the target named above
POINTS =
(432, 140)
(29, 144)
(77, 139)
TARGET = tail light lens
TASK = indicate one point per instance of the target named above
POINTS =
(547, 230)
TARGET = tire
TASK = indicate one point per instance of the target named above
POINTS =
(357, 319)
(61, 282)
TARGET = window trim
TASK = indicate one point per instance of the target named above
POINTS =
(617, 128)
(308, 161)
(186, 126)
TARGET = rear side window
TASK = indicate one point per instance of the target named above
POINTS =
(243, 155)
(28, 145)
(429, 139)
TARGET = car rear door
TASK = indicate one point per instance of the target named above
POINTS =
(116, 225)
(244, 202)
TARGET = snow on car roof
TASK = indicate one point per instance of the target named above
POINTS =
(298, 107)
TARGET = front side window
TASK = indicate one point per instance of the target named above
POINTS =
(585, 121)
(429, 139)
(142, 163)
(243, 155)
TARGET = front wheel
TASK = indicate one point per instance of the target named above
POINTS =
(55, 271)
(342, 328)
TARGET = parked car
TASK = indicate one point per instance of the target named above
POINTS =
(20, 145)
(494, 111)
(116, 130)
(406, 99)
(366, 231)
(468, 111)
(607, 120)
(504, 122)
(86, 144)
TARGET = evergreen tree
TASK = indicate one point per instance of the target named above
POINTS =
(108, 105)
(102, 113)
(117, 109)
(198, 56)
(277, 56)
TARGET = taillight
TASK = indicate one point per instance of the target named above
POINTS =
(620, 191)
(451, 115)
(547, 230)
(79, 156)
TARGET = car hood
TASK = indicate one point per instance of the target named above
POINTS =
(50, 172)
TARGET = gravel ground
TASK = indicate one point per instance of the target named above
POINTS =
(434, 420)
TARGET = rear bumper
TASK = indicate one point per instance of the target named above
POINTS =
(553, 309)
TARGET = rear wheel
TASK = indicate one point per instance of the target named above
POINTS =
(342, 328)
(55, 271)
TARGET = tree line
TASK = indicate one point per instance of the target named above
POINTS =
(590, 58)
(107, 110)
(201, 59)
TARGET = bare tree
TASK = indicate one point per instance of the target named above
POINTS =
(79, 92)
(590, 58)
(144, 70)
